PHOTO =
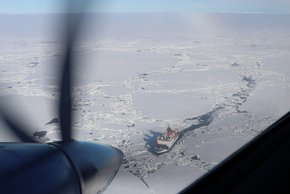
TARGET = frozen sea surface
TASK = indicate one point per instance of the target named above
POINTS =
(221, 85)
(171, 106)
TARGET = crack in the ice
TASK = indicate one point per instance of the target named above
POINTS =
(136, 173)
(237, 100)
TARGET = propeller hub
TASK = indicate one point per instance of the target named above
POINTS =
(95, 164)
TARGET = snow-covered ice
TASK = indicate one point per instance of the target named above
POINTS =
(221, 79)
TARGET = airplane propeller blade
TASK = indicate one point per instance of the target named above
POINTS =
(71, 31)
(18, 129)
(80, 167)
(65, 102)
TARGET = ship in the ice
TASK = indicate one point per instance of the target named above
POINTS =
(166, 141)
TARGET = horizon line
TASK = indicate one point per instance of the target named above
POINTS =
(150, 12)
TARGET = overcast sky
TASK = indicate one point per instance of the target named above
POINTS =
(232, 6)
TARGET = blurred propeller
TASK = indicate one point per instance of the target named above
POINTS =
(65, 101)
(75, 13)
(71, 31)
(17, 128)
(88, 167)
